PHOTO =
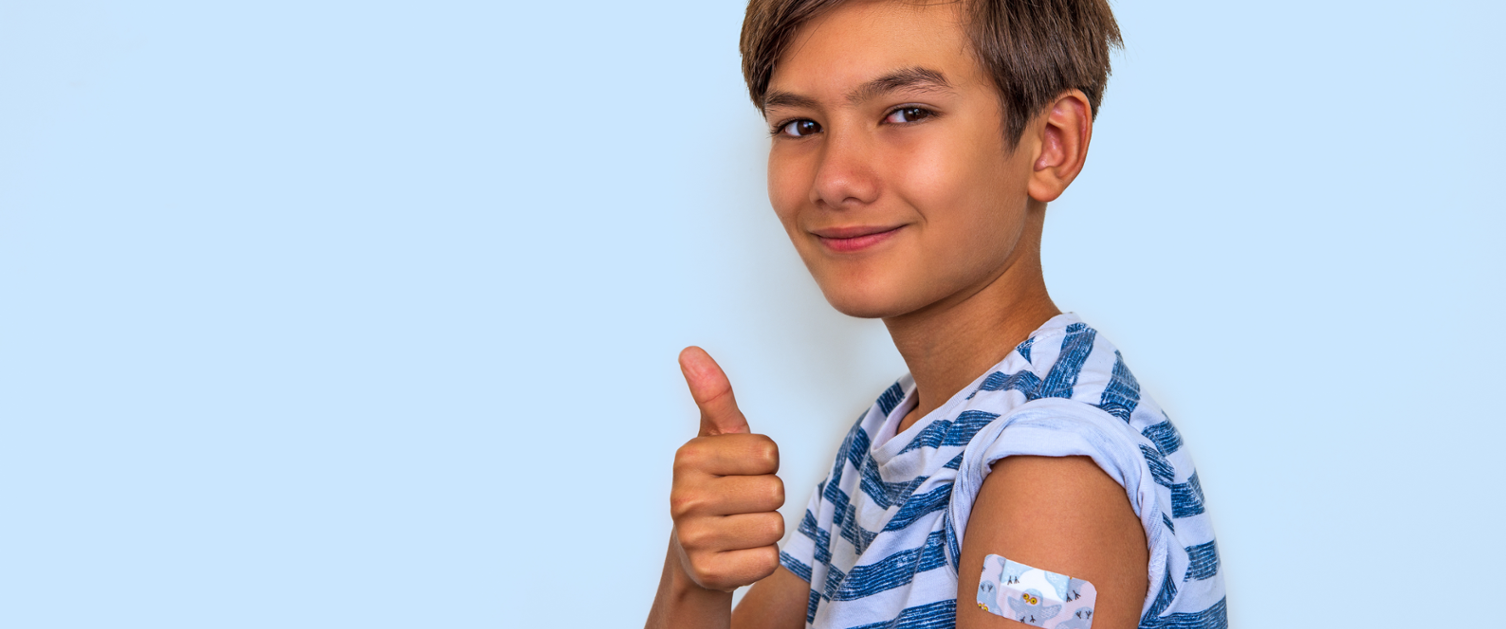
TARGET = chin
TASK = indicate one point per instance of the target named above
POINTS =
(866, 304)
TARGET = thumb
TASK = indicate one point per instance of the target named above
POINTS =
(712, 393)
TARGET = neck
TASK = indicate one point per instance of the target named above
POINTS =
(948, 344)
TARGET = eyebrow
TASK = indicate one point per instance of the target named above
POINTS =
(787, 99)
(916, 78)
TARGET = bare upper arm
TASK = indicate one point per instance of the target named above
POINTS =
(777, 601)
(1063, 515)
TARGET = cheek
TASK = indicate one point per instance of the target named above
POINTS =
(949, 181)
(970, 197)
(787, 187)
(928, 177)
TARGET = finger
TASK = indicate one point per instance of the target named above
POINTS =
(729, 570)
(731, 532)
(727, 495)
(729, 455)
(745, 494)
(712, 393)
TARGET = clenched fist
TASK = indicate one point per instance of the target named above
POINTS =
(725, 498)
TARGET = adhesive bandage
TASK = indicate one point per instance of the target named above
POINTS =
(1034, 596)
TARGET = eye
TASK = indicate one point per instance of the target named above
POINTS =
(908, 114)
(799, 128)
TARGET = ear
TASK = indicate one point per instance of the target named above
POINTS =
(1064, 130)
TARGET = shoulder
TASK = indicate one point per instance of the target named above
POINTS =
(1063, 515)
(1066, 506)
(1065, 359)
(1068, 404)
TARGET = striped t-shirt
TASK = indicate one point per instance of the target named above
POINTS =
(879, 543)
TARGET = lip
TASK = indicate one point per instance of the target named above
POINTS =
(854, 238)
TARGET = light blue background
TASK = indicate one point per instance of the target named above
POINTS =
(321, 314)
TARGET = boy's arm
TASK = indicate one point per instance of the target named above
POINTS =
(1063, 515)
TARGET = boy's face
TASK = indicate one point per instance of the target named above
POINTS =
(889, 168)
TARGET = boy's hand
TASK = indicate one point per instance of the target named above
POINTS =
(726, 497)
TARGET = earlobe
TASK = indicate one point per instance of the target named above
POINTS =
(1064, 129)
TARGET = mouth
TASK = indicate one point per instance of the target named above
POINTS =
(854, 238)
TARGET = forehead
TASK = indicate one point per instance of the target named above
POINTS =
(862, 39)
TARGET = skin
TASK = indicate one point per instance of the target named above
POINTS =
(891, 174)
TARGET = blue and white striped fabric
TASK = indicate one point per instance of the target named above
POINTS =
(880, 539)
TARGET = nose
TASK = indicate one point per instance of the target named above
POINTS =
(845, 177)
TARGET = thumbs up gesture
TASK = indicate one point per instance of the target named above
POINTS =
(725, 497)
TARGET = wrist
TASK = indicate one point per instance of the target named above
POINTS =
(687, 592)
(682, 602)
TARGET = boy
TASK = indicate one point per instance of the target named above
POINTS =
(1017, 474)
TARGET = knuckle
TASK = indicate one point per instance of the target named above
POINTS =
(768, 493)
(690, 537)
(767, 560)
(776, 526)
(689, 456)
(767, 452)
(711, 576)
(683, 503)
(699, 573)
(767, 528)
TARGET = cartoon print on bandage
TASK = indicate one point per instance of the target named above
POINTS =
(1034, 596)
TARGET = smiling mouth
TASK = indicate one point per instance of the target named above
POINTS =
(850, 239)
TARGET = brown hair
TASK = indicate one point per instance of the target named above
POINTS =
(1032, 49)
